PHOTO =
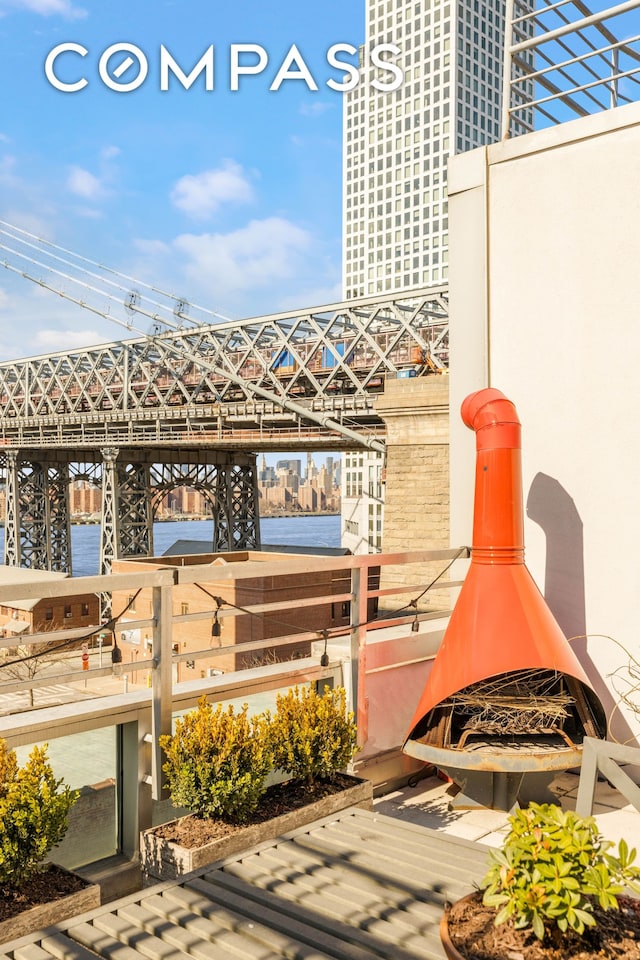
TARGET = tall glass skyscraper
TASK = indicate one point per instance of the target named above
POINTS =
(396, 144)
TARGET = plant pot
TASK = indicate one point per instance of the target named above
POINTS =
(619, 937)
(47, 914)
(165, 860)
(450, 952)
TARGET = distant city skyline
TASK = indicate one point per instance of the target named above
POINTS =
(319, 457)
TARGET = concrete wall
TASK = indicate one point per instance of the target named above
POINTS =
(545, 296)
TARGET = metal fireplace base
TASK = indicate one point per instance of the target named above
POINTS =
(499, 773)
(498, 790)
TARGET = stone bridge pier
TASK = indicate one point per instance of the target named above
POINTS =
(133, 482)
(416, 513)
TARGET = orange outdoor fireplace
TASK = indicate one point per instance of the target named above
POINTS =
(507, 703)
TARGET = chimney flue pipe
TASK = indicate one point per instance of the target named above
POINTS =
(498, 528)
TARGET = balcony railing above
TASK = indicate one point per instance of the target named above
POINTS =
(564, 61)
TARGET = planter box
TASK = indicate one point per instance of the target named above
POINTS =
(164, 860)
(48, 914)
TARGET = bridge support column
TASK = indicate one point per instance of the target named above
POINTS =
(134, 510)
(416, 513)
(242, 508)
(231, 489)
(12, 538)
(109, 531)
(59, 517)
(221, 513)
(37, 527)
(35, 552)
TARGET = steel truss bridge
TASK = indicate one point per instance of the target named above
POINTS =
(191, 406)
(311, 377)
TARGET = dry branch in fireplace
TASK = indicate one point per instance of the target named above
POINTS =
(525, 701)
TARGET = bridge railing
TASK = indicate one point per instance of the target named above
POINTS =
(563, 61)
(370, 654)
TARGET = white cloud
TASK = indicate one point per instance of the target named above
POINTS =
(8, 164)
(199, 195)
(84, 184)
(47, 8)
(316, 108)
(34, 321)
(108, 153)
(152, 251)
(250, 258)
(29, 222)
(313, 296)
(52, 341)
(261, 267)
(89, 213)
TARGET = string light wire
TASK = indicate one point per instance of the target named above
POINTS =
(107, 626)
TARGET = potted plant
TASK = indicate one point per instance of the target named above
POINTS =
(312, 735)
(555, 889)
(217, 765)
(34, 807)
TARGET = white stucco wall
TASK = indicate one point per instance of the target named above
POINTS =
(545, 306)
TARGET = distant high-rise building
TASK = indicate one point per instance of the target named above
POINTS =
(311, 468)
(289, 466)
(396, 144)
(362, 501)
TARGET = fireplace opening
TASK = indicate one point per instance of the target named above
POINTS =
(512, 711)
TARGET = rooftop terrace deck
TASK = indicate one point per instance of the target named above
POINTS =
(356, 886)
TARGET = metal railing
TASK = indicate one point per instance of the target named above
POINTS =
(147, 713)
(604, 757)
(564, 61)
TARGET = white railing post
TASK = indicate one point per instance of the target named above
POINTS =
(506, 76)
(161, 683)
(359, 607)
(613, 92)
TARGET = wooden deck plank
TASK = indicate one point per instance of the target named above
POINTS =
(355, 886)
(31, 952)
(132, 935)
(190, 920)
(311, 918)
(372, 894)
(65, 948)
(417, 873)
(205, 907)
(101, 943)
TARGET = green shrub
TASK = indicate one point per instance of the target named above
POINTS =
(313, 736)
(552, 868)
(33, 813)
(217, 761)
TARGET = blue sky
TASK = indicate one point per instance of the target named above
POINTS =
(231, 199)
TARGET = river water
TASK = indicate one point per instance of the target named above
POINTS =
(321, 531)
